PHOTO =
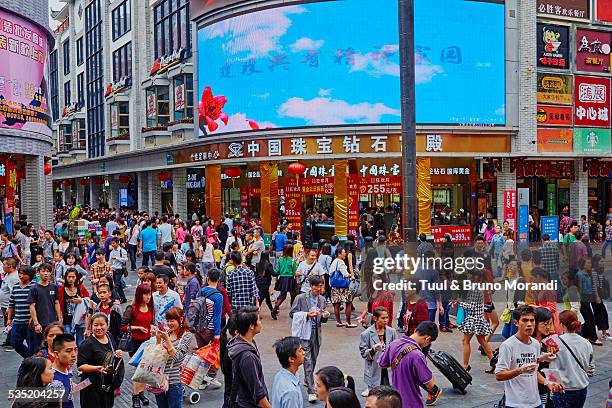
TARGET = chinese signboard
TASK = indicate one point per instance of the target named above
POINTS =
(293, 203)
(353, 203)
(564, 8)
(555, 89)
(592, 141)
(554, 115)
(380, 185)
(23, 81)
(510, 207)
(603, 11)
(592, 101)
(553, 46)
(195, 179)
(10, 183)
(550, 226)
(555, 140)
(460, 234)
(593, 50)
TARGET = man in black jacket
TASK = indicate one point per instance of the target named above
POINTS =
(249, 387)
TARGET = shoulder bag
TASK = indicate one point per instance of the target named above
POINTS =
(337, 280)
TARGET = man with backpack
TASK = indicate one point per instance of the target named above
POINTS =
(204, 316)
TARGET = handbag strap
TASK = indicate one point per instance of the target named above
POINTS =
(401, 355)
(573, 355)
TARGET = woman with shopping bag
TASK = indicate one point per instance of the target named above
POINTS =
(100, 362)
(137, 324)
(179, 343)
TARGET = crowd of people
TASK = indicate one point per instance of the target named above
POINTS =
(204, 281)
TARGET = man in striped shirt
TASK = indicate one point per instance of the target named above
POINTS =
(19, 314)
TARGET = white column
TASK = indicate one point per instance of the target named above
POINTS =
(527, 92)
(37, 194)
(143, 192)
(179, 191)
(579, 192)
(154, 188)
(506, 180)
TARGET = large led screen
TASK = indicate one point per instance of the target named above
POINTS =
(23, 79)
(337, 63)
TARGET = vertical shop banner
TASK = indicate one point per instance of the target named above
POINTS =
(510, 207)
(592, 141)
(550, 226)
(10, 184)
(570, 9)
(341, 197)
(554, 88)
(592, 101)
(553, 46)
(123, 197)
(114, 119)
(179, 97)
(593, 51)
(603, 10)
(353, 203)
(151, 106)
(293, 203)
(551, 199)
(523, 214)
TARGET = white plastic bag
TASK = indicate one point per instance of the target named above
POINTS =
(150, 370)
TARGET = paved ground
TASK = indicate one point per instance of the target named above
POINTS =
(340, 348)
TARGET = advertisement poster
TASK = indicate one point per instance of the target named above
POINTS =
(312, 62)
(550, 226)
(592, 141)
(592, 101)
(555, 140)
(553, 46)
(572, 9)
(554, 88)
(603, 10)
(8, 222)
(353, 203)
(151, 106)
(593, 51)
(10, 183)
(554, 115)
(380, 185)
(23, 76)
(179, 97)
(123, 197)
(510, 207)
(460, 234)
(114, 119)
(523, 229)
(293, 203)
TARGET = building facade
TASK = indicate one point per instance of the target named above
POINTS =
(26, 141)
(279, 92)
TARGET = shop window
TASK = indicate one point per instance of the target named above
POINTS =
(121, 19)
(183, 97)
(120, 120)
(79, 134)
(122, 62)
(65, 138)
(67, 96)
(79, 51)
(66, 54)
(158, 106)
(54, 85)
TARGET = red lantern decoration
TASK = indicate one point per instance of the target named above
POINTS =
(296, 168)
(124, 179)
(21, 174)
(233, 172)
(84, 182)
(98, 181)
(164, 176)
(67, 183)
(47, 169)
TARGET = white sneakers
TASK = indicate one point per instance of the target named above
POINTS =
(365, 393)
(312, 398)
(212, 382)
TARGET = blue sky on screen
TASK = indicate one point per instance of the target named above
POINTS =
(337, 62)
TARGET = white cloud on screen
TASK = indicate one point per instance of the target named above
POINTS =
(247, 37)
(306, 44)
(238, 122)
(325, 92)
(424, 73)
(328, 111)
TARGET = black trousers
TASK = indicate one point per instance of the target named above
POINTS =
(117, 275)
(601, 315)
(588, 328)
(131, 250)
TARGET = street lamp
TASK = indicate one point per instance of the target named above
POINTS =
(407, 81)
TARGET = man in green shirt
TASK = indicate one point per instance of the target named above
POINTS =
(570, 237)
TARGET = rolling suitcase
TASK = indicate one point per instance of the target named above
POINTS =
(451, 369)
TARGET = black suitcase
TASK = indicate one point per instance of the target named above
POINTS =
(451, 369)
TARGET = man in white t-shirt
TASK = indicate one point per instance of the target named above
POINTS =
(164, 299)
(517, 363)
(166, 230)
(111, 225)
(307, 268)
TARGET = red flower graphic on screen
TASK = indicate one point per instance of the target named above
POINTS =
(211, 108)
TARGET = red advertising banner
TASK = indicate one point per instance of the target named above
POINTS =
(603, 10)
(510, 207)
(353, 203)
(592, 101)
(460, 234)
(10, 183)
(293, 203)
(554, 115)
(593, 50)
(380, 185)
(317, 185)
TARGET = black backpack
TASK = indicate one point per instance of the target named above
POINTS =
(197, 316)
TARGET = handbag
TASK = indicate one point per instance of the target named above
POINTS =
(150, 370)
(137, 356)
(338, 281)
(125, 343)
(460, 315)
(506, 315)
(354, 288)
